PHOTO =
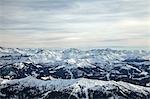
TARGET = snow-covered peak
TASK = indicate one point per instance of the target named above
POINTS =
(75, 87)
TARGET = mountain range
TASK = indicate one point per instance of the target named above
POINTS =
(74, 74)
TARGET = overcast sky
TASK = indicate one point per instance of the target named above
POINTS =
(74, 23)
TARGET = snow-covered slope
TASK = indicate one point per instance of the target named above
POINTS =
(74, 89)
(105, 65)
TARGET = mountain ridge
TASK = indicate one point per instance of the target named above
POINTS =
(99, 65)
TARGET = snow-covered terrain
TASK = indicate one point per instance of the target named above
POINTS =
(74, 88)
(75, 74)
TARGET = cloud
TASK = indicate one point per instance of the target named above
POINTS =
(79, 22)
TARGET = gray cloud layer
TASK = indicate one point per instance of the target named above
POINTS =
(74, 23)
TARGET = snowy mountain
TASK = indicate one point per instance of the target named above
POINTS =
(74, 73)
(29, 87)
